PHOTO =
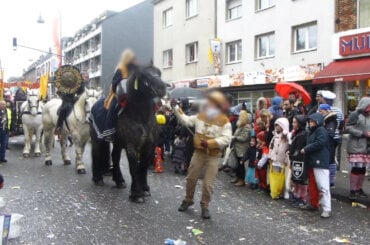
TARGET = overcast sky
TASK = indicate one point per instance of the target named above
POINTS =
(18, 18)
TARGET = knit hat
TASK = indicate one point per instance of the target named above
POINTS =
(324, 107)
(284, 124)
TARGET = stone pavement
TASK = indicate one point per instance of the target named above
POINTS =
(61, 207)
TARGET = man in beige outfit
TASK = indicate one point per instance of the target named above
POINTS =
(212, 134)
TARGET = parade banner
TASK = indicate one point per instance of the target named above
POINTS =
(22, 84)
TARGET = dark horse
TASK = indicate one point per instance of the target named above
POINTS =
(136, 131)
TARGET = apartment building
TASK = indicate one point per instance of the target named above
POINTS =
(267, 41)
(182, 33)
(349, 71)
(95, 49)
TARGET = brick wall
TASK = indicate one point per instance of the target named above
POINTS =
(345, 15)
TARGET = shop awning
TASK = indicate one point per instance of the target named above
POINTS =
(344, 70)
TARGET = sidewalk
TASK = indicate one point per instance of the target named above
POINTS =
(341, 190)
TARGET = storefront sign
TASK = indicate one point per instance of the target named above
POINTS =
(354, 44)
(285, 74)
(301, 72)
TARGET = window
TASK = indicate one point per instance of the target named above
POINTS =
(191, 8)
(167, 58)
(305, 37)
(363, 13)
(167, 18)
(234, 9)
(192, 52)
(265, 45)
(234, 51)
(264, 4)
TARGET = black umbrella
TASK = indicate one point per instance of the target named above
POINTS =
(186, 92)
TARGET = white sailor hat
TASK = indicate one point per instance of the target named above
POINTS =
(326, 94)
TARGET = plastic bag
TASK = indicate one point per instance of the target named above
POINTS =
(226, 156)
(277, 182)
(288, 180)
(232, 162)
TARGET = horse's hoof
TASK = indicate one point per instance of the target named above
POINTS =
(147, 193)
(137, 199)
(99, 183)
(26, 155)
(37, 154)
(81, 171)
(67, 162)
(121, 185)
(48, 163)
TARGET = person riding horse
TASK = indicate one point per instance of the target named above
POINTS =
(69, 82)
(117, 97)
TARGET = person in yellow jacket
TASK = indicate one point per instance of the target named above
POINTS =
(212, 134)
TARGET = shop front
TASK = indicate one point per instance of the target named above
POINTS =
(350, 70)
(249, 86)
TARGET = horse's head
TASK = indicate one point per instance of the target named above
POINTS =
(91, 98)
(33, 104)
(145, 83)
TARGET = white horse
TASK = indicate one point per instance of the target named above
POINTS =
(31, 111)
(76, 125)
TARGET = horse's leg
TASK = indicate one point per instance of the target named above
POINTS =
(97, 153)
(27, 142)
(38, 141)
(147, 159)
(117, 174)
(80, 147)
(63, 148)
(48, 143)
(137, 194)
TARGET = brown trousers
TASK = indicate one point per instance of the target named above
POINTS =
(199, 160)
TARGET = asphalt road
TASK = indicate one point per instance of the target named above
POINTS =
(62, 207)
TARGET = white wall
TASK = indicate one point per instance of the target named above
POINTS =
(280, 18)
(199, 28)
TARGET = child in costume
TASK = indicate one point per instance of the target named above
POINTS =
(262, 157)
(297, 161)
(279, 146)
(179, 154)
(250, 158)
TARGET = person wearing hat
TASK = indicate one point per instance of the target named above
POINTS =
(317, 154)
(328, 98)
(358, 128)
(330, 124)
(212, 135)
(69, 83)
(319, 100)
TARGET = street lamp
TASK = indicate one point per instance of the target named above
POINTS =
(40, 20)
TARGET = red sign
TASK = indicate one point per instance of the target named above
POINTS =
(354, 44)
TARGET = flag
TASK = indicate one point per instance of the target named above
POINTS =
(56, 39)
(43, 89)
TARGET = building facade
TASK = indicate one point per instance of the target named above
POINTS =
(349, 71)
(96, 48)
(182, 33)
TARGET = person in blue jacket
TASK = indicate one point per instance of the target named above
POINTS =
(317, 155)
